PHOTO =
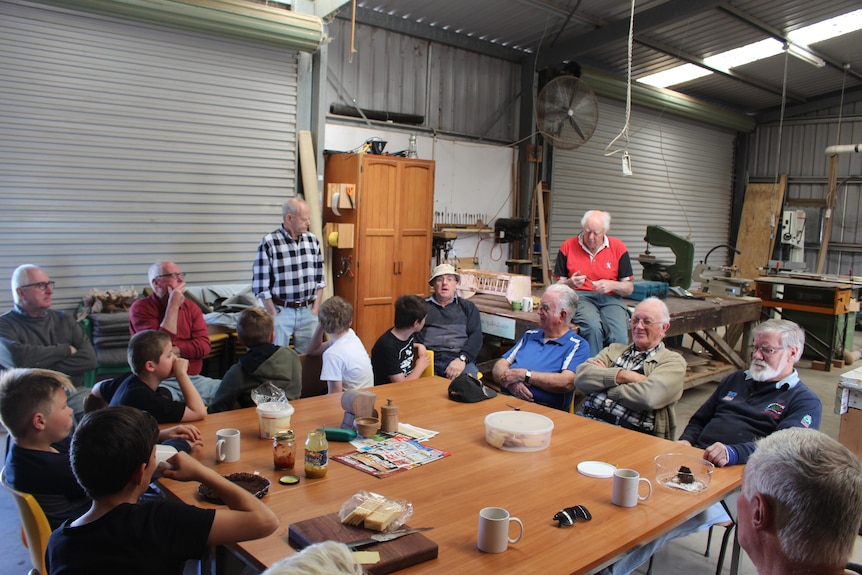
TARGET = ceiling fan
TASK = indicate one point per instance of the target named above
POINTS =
(567, 112)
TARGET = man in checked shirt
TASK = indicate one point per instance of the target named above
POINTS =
(288, 276)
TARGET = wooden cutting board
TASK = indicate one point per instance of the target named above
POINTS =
(394, 555)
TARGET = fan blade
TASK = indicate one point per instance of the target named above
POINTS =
(577, 128)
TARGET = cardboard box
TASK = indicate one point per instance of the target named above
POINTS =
(850, 431)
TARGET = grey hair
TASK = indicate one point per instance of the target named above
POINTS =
(291, 206)
(790, 334)
(665, 313)
(568, 299)
(814, 486)
(155, 271)
(606, 219)
(326, 558)
(21, 276)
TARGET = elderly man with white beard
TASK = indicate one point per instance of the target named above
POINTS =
(746, 406)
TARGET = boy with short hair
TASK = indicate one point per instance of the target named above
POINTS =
(34, 410)
(152, 361)
(397, 355)
(264, 362)
(345, 362)
(113, 457)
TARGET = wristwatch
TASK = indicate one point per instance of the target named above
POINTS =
(527, 376)
(463, 358)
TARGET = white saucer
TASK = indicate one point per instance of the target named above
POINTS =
(598, 469)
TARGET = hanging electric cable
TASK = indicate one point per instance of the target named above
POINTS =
(624, 133)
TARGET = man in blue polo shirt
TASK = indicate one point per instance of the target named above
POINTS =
(541, 366)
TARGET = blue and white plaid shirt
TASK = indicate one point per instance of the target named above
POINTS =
(288, 269)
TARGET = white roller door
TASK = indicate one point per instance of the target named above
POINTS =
(682, 181)
(122, 143)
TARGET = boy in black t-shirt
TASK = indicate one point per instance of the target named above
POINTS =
(152, 361)
(397, 355)
(113, 457)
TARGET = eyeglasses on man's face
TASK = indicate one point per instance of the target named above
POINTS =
(766, 350)
(174, 276)
(647, 322)
(40, 285)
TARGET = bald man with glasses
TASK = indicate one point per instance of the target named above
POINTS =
(34, 335)
(636, 385)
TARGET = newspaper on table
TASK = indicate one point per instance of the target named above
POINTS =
(391, 455)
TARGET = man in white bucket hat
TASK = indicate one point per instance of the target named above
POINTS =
(452, 330)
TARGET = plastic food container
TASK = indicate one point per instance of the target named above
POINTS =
(518, 430)
(681, 472)
(273, 417)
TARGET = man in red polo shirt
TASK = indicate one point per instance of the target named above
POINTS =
(598, 266)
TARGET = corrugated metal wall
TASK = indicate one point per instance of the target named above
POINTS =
(122, 143)
(801, 156)
(682, 181)
(456, 90)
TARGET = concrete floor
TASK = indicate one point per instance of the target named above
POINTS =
(681, 557)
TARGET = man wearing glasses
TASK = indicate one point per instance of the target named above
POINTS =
(34, 335)
(287, 276)
(636, 386)
(746, 406)
(541, 366)
(599, 267)
(167, 310)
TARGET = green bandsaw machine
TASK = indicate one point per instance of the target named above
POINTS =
(677, 273)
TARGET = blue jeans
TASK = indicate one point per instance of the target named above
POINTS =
(206, 387)
(602, 320)
(442, 359)
(300, 323)
(637, 556)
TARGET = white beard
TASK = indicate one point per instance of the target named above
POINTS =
(761, 371)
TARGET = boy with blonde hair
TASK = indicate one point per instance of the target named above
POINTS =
(264, 362)
(346, 364)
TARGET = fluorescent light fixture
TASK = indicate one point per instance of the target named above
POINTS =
(675, 76)
(745, 54)
(805, 55)
(799, 41)
(827, 29)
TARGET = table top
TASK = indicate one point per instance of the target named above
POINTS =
(447, 494)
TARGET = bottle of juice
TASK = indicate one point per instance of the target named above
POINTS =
(316, 454)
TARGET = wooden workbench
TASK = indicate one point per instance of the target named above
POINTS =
(700, 319)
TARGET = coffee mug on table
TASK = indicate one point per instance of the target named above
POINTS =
(227, 445)
(494, 530)
(626, 488)
(527, 303)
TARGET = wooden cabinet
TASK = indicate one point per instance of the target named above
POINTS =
(392, 217)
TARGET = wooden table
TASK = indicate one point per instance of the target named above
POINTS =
(697, 318)
(448, 494)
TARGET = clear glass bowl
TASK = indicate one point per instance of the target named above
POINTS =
(682, 472)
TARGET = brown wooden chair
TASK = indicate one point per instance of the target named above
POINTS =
(311, 382)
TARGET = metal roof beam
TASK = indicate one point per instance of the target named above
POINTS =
(432, 33)
(671, 11)
(833, 100)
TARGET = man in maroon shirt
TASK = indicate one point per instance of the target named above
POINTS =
(167, 310)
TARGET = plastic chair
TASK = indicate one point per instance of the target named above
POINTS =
(34, 525)
(429, 371)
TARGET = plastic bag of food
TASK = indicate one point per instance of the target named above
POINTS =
(267, 392)
(374, 511)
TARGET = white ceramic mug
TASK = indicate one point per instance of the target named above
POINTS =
(527, 303)
(227, 445)
(494, 530)
(626, 488)
(163, 453)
